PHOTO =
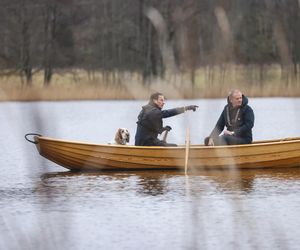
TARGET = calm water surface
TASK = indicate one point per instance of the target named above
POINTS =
(43, 206)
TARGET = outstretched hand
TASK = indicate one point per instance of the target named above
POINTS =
(191, 107)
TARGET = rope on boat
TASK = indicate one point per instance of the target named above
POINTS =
(31, 134)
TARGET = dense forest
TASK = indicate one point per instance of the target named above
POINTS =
(147, 37)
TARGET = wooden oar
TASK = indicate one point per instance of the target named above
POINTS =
(165, 135)
(187, 148)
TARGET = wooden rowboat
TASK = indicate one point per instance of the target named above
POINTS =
(87, 156)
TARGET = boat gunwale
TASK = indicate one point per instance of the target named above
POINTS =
(179, 147)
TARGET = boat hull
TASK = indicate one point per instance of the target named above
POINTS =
(91, 157)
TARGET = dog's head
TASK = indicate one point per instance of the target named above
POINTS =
(122, 136)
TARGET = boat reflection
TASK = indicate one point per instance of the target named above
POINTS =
(155, 183)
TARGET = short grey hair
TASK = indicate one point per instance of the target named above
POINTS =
(233, 91)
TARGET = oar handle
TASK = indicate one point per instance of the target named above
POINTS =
(165, 135)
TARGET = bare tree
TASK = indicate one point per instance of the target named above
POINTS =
(50, 18)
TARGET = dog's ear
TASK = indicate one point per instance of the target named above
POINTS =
(118, 136)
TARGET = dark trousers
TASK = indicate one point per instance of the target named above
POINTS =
(229, 140)
(158, 142)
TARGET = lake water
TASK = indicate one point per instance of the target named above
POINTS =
(43, 206)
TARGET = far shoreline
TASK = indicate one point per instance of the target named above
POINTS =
(74, 85)
(33, 94)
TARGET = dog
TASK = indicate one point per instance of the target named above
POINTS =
(122, 137)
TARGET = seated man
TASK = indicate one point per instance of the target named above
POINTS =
(238, 117)
(150, 123)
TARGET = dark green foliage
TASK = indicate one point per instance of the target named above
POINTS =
(116, 35)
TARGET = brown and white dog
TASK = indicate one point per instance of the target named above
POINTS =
(122, 136)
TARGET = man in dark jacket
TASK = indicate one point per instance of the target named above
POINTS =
(238, 117)
(150, 123)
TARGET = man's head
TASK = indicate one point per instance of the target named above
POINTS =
(235, 98)
(158, 99)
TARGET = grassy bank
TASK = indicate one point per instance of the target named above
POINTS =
(211, 82)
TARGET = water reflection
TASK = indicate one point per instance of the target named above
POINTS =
(203, 210)
(143, 182)
(155, 183)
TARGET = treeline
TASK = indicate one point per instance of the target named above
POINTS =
(148, 37)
